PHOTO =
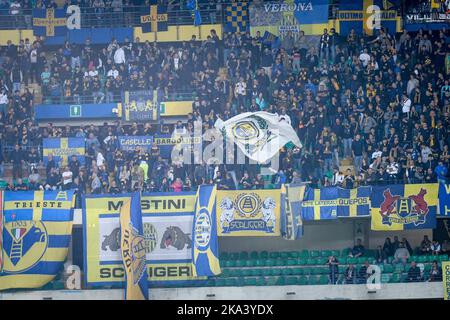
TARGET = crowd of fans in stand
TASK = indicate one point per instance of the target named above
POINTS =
(382, 101)
(398, 253)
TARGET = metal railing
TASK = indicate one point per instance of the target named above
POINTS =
(118, 17)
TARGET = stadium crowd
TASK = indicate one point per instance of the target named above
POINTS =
(381, 101)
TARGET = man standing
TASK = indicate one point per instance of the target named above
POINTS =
(357, 152)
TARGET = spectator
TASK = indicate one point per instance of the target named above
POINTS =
(435, 273)
(401, 255)
(425, 245)
(333, 263)
(350, 275)
(358, 250)
(414, 274)
(435, 248)
(380, 256)
(363, 274)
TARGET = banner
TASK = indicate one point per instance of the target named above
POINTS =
(140, 106)
(132, 243)
(155, 18)
(258, 135)
(248, 212)
(289, 16)
(167, 224)
(63, 149)
(291, 202)
(446, 279)
(166, 142)
(236, 17)
(444, 199)
(320, 204)
(36, 237)
(131, 143)
(1, 230)
(404, 207)
(206, 247)
(49, 22)
(354, 202)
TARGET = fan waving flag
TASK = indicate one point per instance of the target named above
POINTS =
(49, 22)
(291, 221)
(205, 250)
(259, 135)
(133, 249)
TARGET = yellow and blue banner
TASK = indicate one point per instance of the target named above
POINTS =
(140, 106)
(132, 243)
(167, 227)
(205, 250)
(354, 202)
(444, 199)
(36, 237)
(404, 207)
(446, 279)
(49, 22)
(320, 204)
(63, 149)
(131, 143)
(291, 204)
(167, 142)
(248, 212)
(236, 17)
(289, 16)
(360, 15)
(155, 18)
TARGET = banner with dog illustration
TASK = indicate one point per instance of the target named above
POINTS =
(404, 207)
(167, 227)
(248, 212)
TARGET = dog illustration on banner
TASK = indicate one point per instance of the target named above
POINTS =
(412, 209)
(248, 212)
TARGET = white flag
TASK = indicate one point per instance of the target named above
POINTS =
(259, 135)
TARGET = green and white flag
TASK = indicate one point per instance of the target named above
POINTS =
(259, 135)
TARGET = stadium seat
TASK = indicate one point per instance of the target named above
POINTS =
(311, 261)
(276, 271)
(361, 260)
(243, 255)
(395, 278)
(314, 254)
(266, 272)
(385, 278)
(240, 263)
(342, 260)
(352, 260)
(223, 256)
(250, 281)
(220, 282)
(321, 261)
(302, 261)
(231, 282)
(304, 254)
(286, 271)
(345, 252)
(335, 253)
(313, 280)
(291, 280)
(413, 258)
(230, 263)
(264, 255)
(254, 255)
(271, 281)
(270, 262)
(250, 263)
(274, 255)
(260, 262)
(422, 259)
(280, 262)
(297, 271)
(325, 253)
(210, 283)
(323, 279)
(233, 256)
(284, 255)
(291, 262)
(294, 254)
(443, 257)
(388, 268)
(302, 280)
(399, 268)
(246, 272)
(307, 270)
(260, 281)
(225, 273)
(281, 281)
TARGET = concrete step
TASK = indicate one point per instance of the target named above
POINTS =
(347, 162)
(344, 169)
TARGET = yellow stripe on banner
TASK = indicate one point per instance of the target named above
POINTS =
(58, 228)
(431, 197)
(37, 211)
(178, 33)
(366, 15)
(24, 281)
(316, 208)
(353, 206)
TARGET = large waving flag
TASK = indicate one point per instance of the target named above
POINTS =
(259, 135)
(291, 223)
(404, 207)
(36, 237)
(205, 250)
(320, 204)
(62, 149)
(133, 249)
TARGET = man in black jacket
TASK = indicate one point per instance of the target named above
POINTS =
(414, 273)
(17, 159)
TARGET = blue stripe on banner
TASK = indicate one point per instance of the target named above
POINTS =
(24, 214)
(42, 268)
(59, 241)
(57, 215)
